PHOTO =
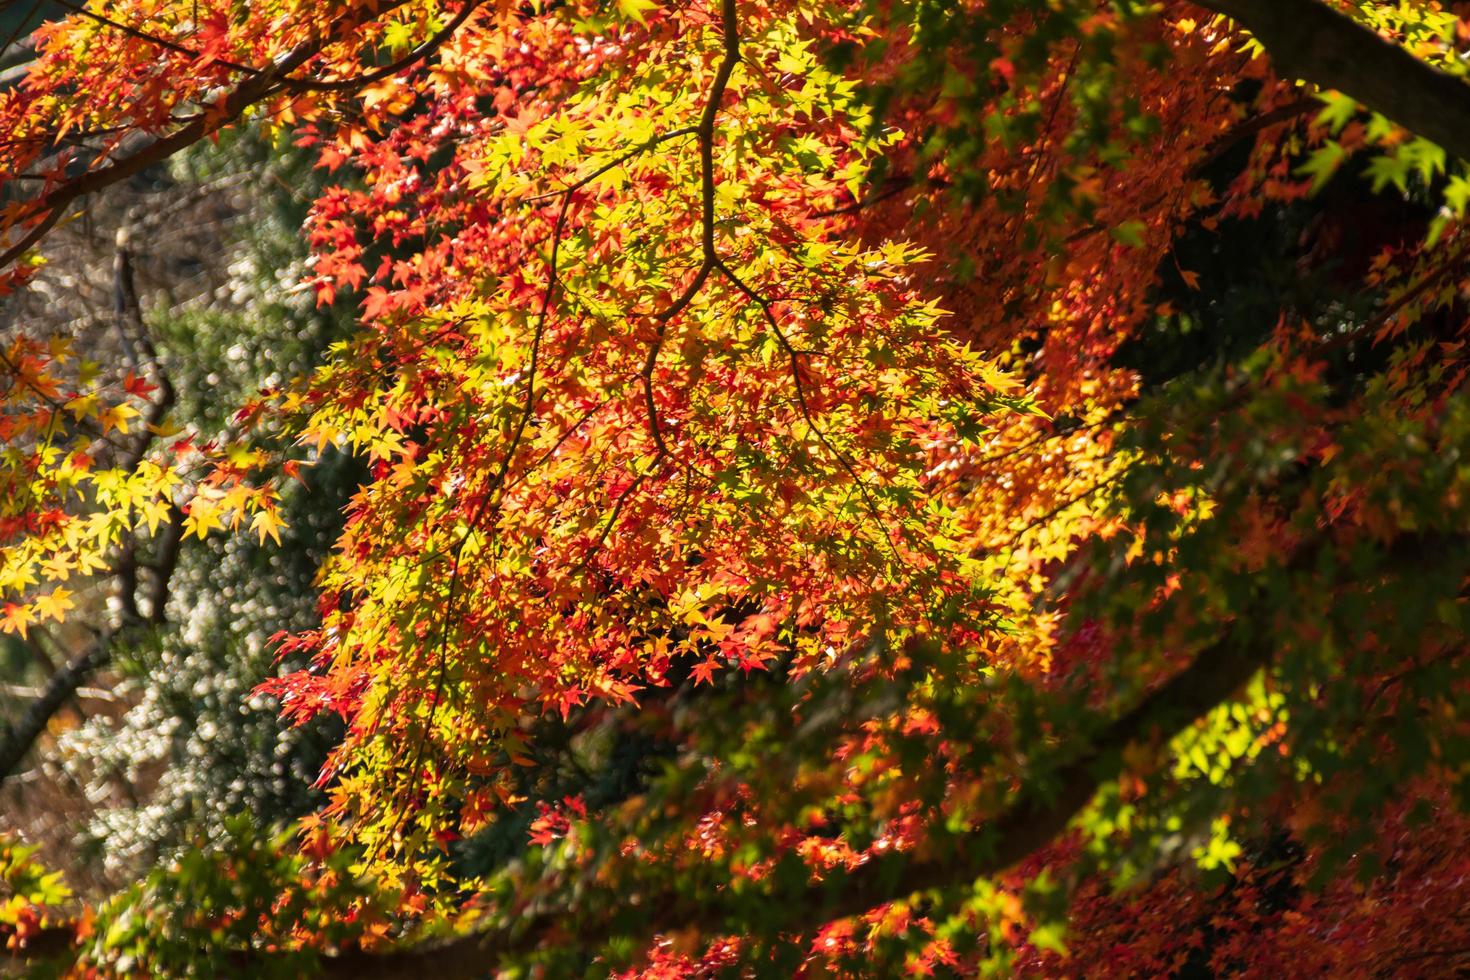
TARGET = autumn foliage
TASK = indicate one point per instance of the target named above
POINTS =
(985, 479)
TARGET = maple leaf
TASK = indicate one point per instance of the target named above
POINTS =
(267, 523)
(154, 511)
(201, 517)
(704, 671)
(58, 566)
(137, 386)
(55, 604)
(116, 417)
(17, 618)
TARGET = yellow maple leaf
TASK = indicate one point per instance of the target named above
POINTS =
(116, 417)
(58, 566)
(55, 604)
(82, 405)
(234, 501)
(267, 522)
(153, 511)
(202, 518)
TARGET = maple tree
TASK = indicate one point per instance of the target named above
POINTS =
(838, 497)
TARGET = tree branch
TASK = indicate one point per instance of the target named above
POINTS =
(17, 739)
(46, 210)
(142, 35)
(1310, 41)
(417, 54)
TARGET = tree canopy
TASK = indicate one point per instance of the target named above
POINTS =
(741, 487)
